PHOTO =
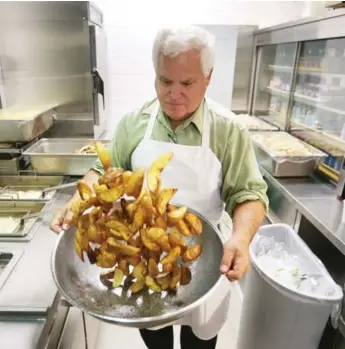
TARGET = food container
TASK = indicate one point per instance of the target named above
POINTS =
(284, 155)
(24, 127)
(253, 123)
(27, 188)
(58, 156)
(19, 210)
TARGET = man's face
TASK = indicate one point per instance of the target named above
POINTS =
(180, 84)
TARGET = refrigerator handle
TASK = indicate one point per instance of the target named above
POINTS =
(98, 85)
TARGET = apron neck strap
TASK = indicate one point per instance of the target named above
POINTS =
(205, 130)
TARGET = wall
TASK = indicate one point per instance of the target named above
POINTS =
(132, 24)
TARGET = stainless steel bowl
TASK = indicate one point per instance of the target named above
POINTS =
(80, 284)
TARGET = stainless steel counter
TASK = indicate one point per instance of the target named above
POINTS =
(317, 202)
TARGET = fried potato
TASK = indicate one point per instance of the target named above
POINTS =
(112, 195)
(154, 233)
(123, 249)
(154, 172)
(152, 268)
(193, 223)
(167, 268)
(172, 256)
(137, 286)
(163, 242)
(118, 226)
(106, 260)
(140, 270)
(164, 281)
(161, 223)
(103, 155)
(126, 176)
(135, 183)
(163, 198)
(138, 220)
(175, 278)
(133, 261)
(152, 284)
(124, 266)
(135, 240)
(186, 275)
(147, 242)
(78, 249)
(100, 188)
(120, 235)
(191, 254)
(111, 177)
(183, 229)
(146, 203)
(175, 216)
(118, 277)
(176, 240)
(84, 190)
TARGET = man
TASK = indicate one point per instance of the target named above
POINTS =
(214, 167)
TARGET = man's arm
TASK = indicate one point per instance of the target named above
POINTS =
(244, 192)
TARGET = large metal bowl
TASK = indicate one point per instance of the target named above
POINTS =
(80, 284)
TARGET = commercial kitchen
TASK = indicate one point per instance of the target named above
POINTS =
(288, 88)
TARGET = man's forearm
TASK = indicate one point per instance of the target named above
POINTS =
(247, 219)
(90, 178)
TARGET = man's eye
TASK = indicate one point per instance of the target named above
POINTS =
(187, 83)
(166, 82)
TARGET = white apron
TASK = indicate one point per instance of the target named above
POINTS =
(197, 173)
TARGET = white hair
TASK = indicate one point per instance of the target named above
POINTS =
(173, 41)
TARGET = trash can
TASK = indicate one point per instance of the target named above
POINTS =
(289, 295)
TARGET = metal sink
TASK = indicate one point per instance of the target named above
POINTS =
(8, 261)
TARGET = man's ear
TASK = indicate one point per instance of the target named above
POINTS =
(208, 79)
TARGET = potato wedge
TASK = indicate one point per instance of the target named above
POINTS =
(175, 216)
(118, 277)
(146, 203)
(191, 254)
(193, 223)
(137, 286)
(167, 268)
(100, 188)
(106, 260)
(152, 284)
(164, 281)
(154, 233)
(147, 242)
(182, 227)
(172, 256)
(124, 266)
(140, 270)
(154, 172)
(186, 275)
(78, 249)
(112, 195)
(175, 278)
(123, 249)
(126, 176)
(103, 155)
(164, 196)
(133, 261)
(119, 226)
(135, 240)
(176, 240)
(135, 183)
(138, 220)
(119, 234)
(111, 176)
(163, 242)
(84, 190)
(161, 223)
(152, 268)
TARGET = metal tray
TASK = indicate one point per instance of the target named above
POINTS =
(8, 261)
(21, 208)
(24, 129)
(56, 156)
(24, 183)
(288, 166)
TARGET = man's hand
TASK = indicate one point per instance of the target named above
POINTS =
(62, 219)
(235, 262)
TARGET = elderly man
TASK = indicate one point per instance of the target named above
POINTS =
(214, 167)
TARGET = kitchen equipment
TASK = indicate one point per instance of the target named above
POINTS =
(20, 126)
(58, 156)
(253, 123)
(17, 210)
(8, 260)
(80, 284)
(286, 165)
(58, 187)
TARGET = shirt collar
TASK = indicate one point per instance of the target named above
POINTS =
(196, 118)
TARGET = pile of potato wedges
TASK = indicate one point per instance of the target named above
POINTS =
(126, 225)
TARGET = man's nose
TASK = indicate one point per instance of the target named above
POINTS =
(175, 91)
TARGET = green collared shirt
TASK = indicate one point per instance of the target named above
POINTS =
(229, 140)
